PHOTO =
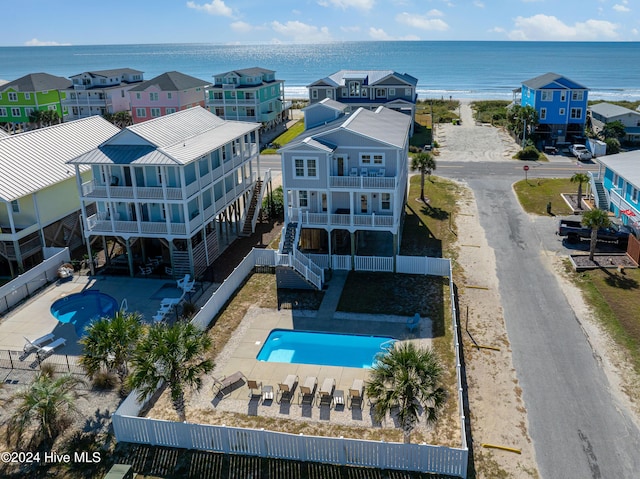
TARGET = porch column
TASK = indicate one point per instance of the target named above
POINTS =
(91, 265)
(352, 234)
(329, 247)
(396, 251)
(129, 257)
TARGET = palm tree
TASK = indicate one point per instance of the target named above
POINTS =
(109, 344)
(579, 178)
(407, 377)
(42, 407)
(595, 219)
(174, 355)
(426, 164)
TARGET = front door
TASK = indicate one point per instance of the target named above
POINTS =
(340, 165)
(364, 204)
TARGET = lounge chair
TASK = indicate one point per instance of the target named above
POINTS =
(171, 302)
(181, 282)
(308, 390)
(356, 394)
(189, 286)
(50, 348)
(226, 382)
(413, 322)
(31, 346)
(267, 393)
(325, 395)
(286, 388)
(145, 270)
(253, 384)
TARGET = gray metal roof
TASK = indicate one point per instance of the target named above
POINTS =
(248, 72)
(172, 81)
(37, 159)
(371, 77)
(328, 103)
(553, 81)
(116, 72)
(626, 165)
(609, 110)
(37, 82)
(3, 133)
(174, 139)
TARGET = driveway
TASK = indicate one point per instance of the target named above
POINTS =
(579, 427)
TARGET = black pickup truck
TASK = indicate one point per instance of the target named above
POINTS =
(574, 230)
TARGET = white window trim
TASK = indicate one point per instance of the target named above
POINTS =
(579, 114)
(3, 112)
(577, 95)
(634, 194)
(543, 113)
(27, 95)
(305, 166)
(141, 110)
(390, 202)
(156, 110)
(546, 95)
(563, 96)
(15, 206)
(562, 112)
(407, 92)
(15, 111)
(12, 96)
(306, 198)
(372, 161)
(392, 91)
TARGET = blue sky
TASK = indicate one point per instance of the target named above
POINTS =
(65, 22)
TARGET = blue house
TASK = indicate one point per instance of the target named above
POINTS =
(561, 104)
(616, 186)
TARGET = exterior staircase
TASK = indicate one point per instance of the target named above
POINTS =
(289, 238)
(294, 269)
(253, 209)
(601, 199)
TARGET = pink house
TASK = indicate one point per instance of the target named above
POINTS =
(165, 94)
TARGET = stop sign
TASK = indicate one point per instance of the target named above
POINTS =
(525, 167)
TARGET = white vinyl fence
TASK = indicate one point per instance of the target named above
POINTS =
(383, 264)
(128, 427)
(37, 277)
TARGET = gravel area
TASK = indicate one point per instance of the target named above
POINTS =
(622, 260)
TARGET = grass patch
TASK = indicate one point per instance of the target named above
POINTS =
(491, 111)
(285, 138)
(535, 193)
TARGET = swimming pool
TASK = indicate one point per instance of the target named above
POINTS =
(325, 349)
(80, 309)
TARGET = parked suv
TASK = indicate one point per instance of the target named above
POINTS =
(580, 152)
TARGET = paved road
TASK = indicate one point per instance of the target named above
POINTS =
(578, 428)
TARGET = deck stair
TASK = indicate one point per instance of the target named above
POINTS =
(253, 209)
(292, 262)
(601, 199)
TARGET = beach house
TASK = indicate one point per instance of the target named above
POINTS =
(602, 113)
(99, 92)
(33, 92)
(345, 184)
(173, 192)
(561, 104)
(250, 94)
(38, 192)
(165, 94)
(368, 89)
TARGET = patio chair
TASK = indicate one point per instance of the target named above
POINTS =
(364, 172)
(226, 382)
(168, 271)
(181, 282)
(325, 395)
(356, 394)
(308, 390)
(353, 172)
(381, 172)
(50, 348)
(286, 388)
(253, 384)
(31, 346)
(171, 302)
(413, 322)
(145, 270)
(189, 286)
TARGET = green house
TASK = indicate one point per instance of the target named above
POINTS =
(35, 91)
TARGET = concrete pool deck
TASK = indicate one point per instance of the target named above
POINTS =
(33, 318)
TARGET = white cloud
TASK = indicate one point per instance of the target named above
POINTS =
(301, 32)
(34, 42)
(496, 30)
(354, 28)
(478, 4)
(435, 13)
(365, 5)
(422, 21)
(545, 27)
(379, 34)
(216, 7)
(241, 27)
(621, 8)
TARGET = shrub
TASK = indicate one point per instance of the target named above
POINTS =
(188, 310)
(613, 146)
(274, 206)
(104, 380)
(529, 152)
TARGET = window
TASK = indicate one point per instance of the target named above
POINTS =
(615, 180)
(169, 95)
(303, 199)
(364, 92)
(392, 91)
(563, 96)
(543, 113)
(385, 201)
(407, 92)
(170, 110)
(314, 94)
(365, 159)
(27, 96)
(155, 112)
(251, 112)
(378, 160)
(13, 96)
(577, 95)
(562, 112)
(15, 206)
(159, 174)
(546, 95)
(141, 112)
(137, 96)
(52, 108)
(217, 95)
(0, 96)
(354, 88)
(381, 93)
(74, 109)
(329, 93)
(219, 111)
(634, 194)
(28, 112)
(3, 112)
(305, 167)
(15, 112)
(576, 113)
(153, 96)
(370, 159)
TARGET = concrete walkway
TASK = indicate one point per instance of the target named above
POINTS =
(332, 295)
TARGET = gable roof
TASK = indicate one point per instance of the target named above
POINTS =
(37, 82)
(625, 165)
(382, 125)
(609, 110)
(172, 81)
(246, 72)
(370, 77)
(553, 81)
(327, 103)
(174, 139)
(109, 73)
(36, 159)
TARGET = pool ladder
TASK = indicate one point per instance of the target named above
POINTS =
(124, 306)
(388, 344)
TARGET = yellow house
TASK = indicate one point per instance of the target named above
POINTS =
(39, 201)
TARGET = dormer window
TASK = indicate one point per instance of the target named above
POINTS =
(354, 88)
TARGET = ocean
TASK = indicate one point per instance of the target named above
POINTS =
(460, 69)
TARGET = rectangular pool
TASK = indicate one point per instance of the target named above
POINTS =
(324, 349)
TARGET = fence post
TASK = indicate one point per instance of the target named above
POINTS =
(66, 356)
(10, 359)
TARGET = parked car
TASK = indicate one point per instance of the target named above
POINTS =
(575, 231)
(580, 152)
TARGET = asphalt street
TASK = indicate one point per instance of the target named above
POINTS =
(578, 427)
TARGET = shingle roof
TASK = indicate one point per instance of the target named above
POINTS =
(178, 138)
(609, 110)
(172, 81)
(37, 82)
(371, 77)
(36, 159)
(553, 81)
(110, 73)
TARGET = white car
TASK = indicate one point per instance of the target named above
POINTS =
(580, 152)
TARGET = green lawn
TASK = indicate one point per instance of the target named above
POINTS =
(535, 193)
(285, 138)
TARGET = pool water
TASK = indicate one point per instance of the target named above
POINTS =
(324, 349)
(80, 309)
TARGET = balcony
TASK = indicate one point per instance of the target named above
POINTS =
(347, 221)
(363, 182)
(92, 189)
(99, 224)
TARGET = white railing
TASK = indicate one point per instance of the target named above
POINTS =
(410, 457)
(362, 182)
(322, 260)
(92, 189)
(372, 221)
(263, 188)
(342, 262)
(422, 265)
(374, 263)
